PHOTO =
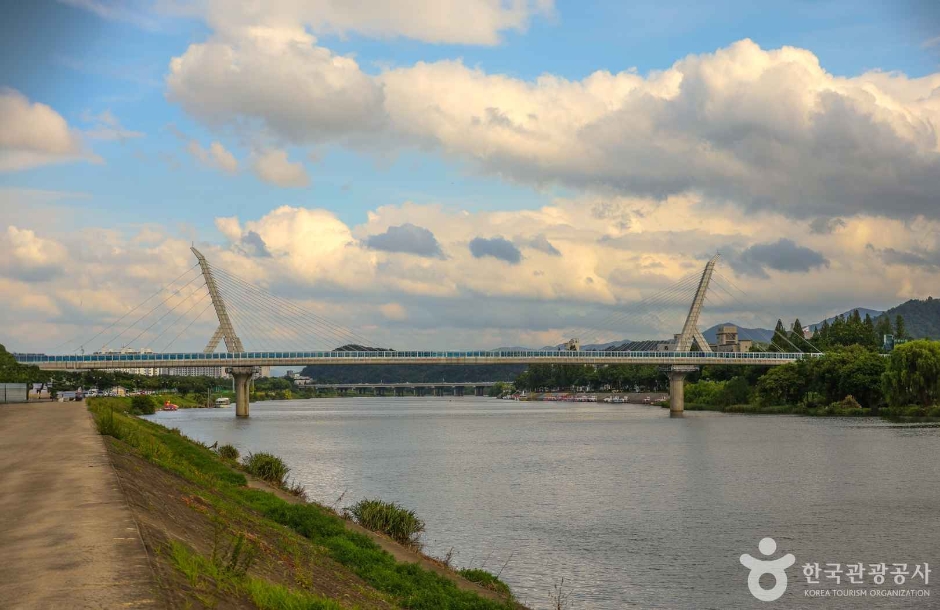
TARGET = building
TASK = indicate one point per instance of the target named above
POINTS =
(890, 341)
(146, 371)
(727, 340)
(194, 371)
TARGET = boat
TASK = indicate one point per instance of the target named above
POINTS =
(222, 401)
(169, 406)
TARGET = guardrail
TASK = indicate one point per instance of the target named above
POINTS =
(268, 358)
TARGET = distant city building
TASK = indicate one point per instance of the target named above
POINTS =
(890, 342)
(194, 371)
(145, 371)
(727, 340)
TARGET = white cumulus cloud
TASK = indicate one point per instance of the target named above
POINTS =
(33, 134)
(766, 129)
(274, 167)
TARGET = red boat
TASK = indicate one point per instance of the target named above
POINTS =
(169, 406)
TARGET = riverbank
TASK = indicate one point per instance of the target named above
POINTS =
(222, 539)
(894, 414)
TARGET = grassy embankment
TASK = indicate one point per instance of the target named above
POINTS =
(217, 542)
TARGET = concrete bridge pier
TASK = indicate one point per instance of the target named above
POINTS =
(677, 375)
(478, 391)
(242, 377)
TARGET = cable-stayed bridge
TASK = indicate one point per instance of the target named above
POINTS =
(276, 326)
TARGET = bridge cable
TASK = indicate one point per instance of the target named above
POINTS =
(158, 320)
(642, 311)
(641, 308)
(337, 332)
(258, 313)
(180, 317)
(198, 276)
(290, 314)
(732, 284)
(741, 330)
(205, 309)
(96, 335)
(743, 311)
(324, 323)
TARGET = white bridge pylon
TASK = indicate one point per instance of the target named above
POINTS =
(242, 374)
(690, 333)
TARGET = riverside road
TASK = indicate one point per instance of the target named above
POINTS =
(67, 536)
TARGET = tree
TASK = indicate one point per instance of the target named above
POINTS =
(779, 343)
(782, 385)
(882, 328)
(913, 374)
(797, 337)
(143, 404)
(900, 332)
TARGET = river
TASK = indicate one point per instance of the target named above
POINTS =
(631, 508)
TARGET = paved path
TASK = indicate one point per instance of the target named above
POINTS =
(67, 536)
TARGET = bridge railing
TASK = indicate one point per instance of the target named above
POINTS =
(178, 359)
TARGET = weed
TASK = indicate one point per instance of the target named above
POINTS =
(106, 425)
(267, 467)
(205, 575)
(396, 522)
(486, 580)
(559, 599)
(229, 452)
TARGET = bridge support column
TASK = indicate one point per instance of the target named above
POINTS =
(677, 376)
(676, 393)
(478, 390)
(242, 377)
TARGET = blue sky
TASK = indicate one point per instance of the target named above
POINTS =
(78, 62)
(816, 166)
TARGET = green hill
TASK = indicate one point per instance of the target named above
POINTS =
(921, 318)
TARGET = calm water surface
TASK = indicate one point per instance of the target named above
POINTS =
(631, 508)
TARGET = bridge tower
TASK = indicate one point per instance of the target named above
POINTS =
(690, 333)
(226, 332)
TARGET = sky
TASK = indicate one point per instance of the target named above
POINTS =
(466, 174)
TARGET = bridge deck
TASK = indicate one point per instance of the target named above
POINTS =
(245, 359)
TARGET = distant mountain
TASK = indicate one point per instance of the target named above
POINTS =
(754, 334)
(921, 318)
(874, 313)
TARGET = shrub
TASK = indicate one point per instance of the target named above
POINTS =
(143, 405)
(228, 452)
(267, 467)
(104, 421)
(486, 580)
(849, 402)
(396, 522)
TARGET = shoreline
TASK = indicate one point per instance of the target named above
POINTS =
(173, 482)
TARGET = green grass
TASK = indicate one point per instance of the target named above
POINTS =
(409, 584)
(267, 467)
(228, 452)
(207, 576)
(487, 580)
(396, 522)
